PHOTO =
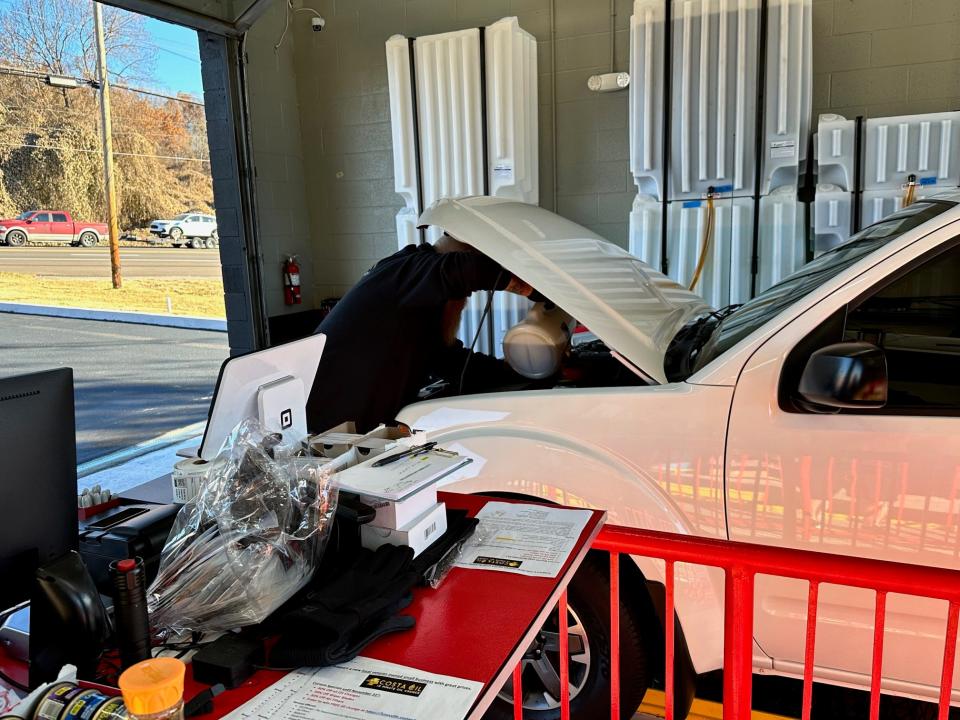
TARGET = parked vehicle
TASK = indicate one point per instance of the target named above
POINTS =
(824, 414)
(49, 226)
(194, 229)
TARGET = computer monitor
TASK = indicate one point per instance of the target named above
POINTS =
(272, 385)
(38, 484)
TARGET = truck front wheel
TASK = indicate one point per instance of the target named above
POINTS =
(16, 238)
(588, 634)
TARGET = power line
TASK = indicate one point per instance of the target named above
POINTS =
(38, 75)
(188, 101)
(25, 129)
(61, 148)
(172, 52)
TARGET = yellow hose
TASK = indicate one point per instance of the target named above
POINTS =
(705, 244)
(910, 193)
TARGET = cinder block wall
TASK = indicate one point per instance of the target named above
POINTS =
(886, 57)
(344, 116)
(322, 129)
(279, 153)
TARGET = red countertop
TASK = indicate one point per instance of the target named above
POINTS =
(475, 626)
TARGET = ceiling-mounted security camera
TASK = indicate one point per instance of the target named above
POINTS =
(317, 23)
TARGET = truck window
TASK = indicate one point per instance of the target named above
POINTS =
(60, 217)
(41, 217)
(765, 306)
(916, 320)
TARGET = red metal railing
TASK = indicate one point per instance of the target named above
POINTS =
(741, 563)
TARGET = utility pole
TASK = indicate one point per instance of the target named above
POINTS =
(106, 132)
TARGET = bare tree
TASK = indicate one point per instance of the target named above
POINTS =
(57, 36)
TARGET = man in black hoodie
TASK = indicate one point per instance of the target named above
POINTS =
(397, 327)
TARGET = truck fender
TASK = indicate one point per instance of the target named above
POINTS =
(547, 465)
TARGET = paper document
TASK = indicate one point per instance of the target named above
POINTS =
(361, 689)
(526, 539)
(396, 480)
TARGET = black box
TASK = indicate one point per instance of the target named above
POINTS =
(228, 660)
(127, 531)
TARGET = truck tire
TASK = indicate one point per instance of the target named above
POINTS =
(197, 243)
(587, 624)
(89, 239)
(176, 234)
(209, 243)
(16, 238)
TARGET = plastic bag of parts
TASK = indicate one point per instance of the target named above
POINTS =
(250, 539)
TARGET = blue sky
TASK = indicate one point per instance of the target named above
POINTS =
(178, 58)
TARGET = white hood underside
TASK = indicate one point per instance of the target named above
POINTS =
(633, 308)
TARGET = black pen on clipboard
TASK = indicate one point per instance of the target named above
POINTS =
(426, 447)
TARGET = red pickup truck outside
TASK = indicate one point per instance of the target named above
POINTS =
(49, 226)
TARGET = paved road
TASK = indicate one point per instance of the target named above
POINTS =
(95, 262)
(133, 382)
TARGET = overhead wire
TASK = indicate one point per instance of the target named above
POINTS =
(41, 75)
(63, 148)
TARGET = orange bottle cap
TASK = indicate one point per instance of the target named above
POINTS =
(152, 686)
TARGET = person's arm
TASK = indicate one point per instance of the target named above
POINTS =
(461, 273)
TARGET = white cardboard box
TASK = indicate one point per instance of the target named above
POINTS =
(397, 515)
(336, 441)
(378, 441)
(419, 535)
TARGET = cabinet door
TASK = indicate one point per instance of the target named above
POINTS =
(879, 483)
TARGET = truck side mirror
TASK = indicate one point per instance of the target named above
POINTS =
(845, 375)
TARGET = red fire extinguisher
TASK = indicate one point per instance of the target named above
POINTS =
(291, 281)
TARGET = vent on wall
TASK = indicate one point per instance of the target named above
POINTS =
(463, 110)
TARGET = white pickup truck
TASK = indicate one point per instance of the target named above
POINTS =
(824, 414)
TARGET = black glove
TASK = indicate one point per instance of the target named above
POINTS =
(340, 618)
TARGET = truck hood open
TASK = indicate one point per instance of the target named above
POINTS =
(633, 308)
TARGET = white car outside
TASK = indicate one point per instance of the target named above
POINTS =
(195, 229)
(718, 440)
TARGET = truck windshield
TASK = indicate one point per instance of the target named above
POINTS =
(771, 301)
(25, 215)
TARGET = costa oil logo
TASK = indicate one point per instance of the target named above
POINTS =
(393, 685)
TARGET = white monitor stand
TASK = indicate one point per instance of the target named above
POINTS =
(272, 385)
